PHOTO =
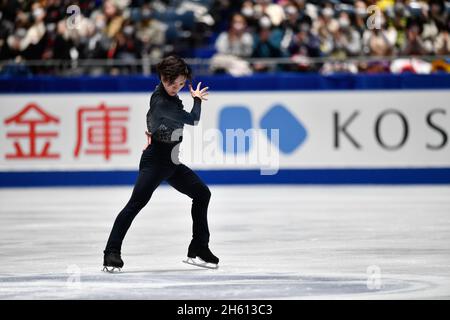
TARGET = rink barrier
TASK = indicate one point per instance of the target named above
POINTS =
(224, 83)
(388, 176)
(257, 82)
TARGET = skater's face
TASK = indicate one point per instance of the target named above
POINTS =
(174, 87)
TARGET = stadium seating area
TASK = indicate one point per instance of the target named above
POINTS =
(305, 36)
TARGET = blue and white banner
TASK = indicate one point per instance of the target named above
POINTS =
(264, 132)
(320, 130)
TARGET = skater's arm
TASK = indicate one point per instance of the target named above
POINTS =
(178, 114)
(190, 118)
(198, 95)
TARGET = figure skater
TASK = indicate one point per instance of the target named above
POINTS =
(159, 161)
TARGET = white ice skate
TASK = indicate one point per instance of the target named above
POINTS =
(112, 269)
(198, 262)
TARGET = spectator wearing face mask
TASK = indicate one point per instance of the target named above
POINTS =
(325, 18)
(98, 43)
(125, 46)
(250, 15)
(360, 16)
(325, 27)
(347, 39)
(265, 46)
(236, 41)
(33, 43)
(295, 16)
(274, 11)
(231, 47)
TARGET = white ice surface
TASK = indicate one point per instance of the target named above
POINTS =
(274, 242)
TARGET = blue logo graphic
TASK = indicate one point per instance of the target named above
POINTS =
(292, 133)
(235, 118)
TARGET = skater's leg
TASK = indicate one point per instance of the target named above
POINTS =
(148, 180)
(186, 181)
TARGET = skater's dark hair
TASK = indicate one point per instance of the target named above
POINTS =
(171, 67)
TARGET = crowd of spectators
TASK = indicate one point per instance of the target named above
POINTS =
(307, 36)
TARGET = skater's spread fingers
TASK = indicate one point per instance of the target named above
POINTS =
(204, 89)
(198, 86)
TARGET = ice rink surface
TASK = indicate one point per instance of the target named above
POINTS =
(274, 242)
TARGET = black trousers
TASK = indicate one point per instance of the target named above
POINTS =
(155, 166)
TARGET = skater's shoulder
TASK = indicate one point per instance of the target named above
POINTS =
(159, 97)
(160, 94)
(156, 96)
(156, 92)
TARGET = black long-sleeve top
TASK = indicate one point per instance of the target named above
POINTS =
(166, 114)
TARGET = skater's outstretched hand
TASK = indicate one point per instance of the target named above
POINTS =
(149, 139)
(202, 94)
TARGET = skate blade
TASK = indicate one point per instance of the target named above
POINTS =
(112, 269)
(200, 263)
